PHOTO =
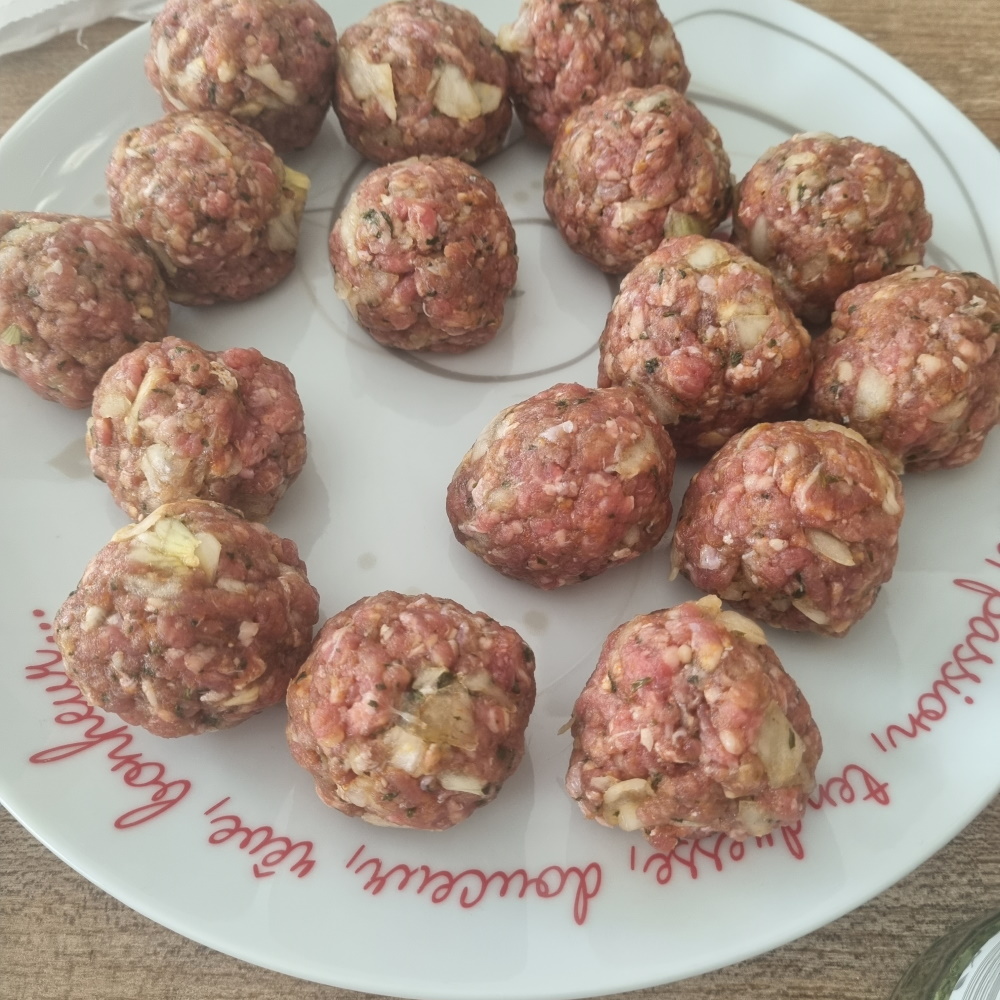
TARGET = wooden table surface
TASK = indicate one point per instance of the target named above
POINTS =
(61, 937)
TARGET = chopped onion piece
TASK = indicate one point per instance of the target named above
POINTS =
(830, 546)
(749, 629)
(406, 750)
(266, 74)
(779, 747)
(461, 783)
(367, 79)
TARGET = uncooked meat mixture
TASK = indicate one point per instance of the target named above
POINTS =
(75, 295)
(422, 78)
(564, 485)
(564, 55)
(690, 726)
(424, 255)
(189, 621)
(699, 329)
(826, 213)
(411, 711)
(795, 523)
(213, 202)
(268, 63)
(633, 168)
(911, 362)
(172, 421)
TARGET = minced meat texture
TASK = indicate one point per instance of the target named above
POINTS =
(411, 711)
(424, 255)
(268, 63)
(632, 168)
(212, 201)
(701, 331)
(912, 363)
(75, 295)
(172, 421)
(564, 485)
(826, 213)
(422, 78)
(564, 55)
(689, 726)
(795, 523)
(189, 621)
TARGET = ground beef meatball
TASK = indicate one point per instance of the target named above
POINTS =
(268, 63)
(564, 55)
(425, 256)
(212, 201)
(422, 77)
(632, 168)
(796, 523)
(75, 295)
(912, 363)
(191, 620)
(701, 331)
(826, 213)
(411, 711)
(690, 726)
(564, 485)
(173, 422)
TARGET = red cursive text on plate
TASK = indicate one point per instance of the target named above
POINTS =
(954, 676)
(262, 838)
(135, 771)
(471, 886)
(718, 851)
(841, 789)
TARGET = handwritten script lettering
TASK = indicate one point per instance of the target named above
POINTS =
(955, 677)
(114, 741)
(718, 851)
(471, 886)
(277, 849)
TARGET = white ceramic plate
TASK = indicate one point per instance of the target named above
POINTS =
(222, 839)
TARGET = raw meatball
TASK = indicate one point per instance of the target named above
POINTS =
(795, 523)
(212, 201)
(173, 422)
(564, 55)
(191, 620)
(422, 77)
(701, 331)
(411, 711)
(826, 213)
(269, 63)
(690, 726)
(75, 295)
(632, 168)
(425, 256)
(911, 363)
(564, 485)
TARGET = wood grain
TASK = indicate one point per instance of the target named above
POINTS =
(61, 937)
